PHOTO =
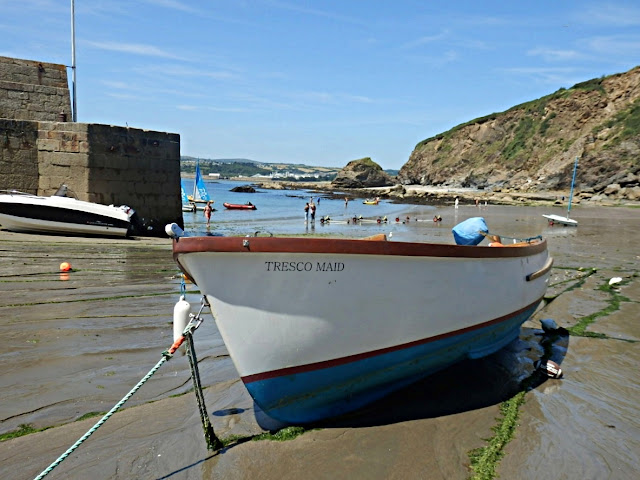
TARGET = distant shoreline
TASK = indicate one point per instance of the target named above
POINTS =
(433, 195)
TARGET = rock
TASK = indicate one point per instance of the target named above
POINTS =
(612, 189)
(362, 173)
(633, 193)
(244, 189)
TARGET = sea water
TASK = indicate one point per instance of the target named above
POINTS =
(282, 212)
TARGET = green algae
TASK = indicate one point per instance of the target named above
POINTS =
(484, 460)
(580, 328)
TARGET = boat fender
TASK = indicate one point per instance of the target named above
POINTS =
(496, 244)
(549, 367)
(180, 317)
(173, 230)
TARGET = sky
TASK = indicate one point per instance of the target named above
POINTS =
(317, 82)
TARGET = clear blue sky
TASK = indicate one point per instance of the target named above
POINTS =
(317, 82)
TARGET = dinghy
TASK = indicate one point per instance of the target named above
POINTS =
(240, 206)
(553, 219)
(200, 195)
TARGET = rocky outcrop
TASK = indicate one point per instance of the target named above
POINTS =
(532, 147)
(243, 189)
(362, 173)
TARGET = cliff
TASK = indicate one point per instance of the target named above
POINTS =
(532, 147)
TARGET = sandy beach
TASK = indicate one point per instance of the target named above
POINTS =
(77, 342)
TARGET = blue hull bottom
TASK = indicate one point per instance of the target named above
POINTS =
(333, 388)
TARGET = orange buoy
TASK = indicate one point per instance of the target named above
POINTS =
(65, 267)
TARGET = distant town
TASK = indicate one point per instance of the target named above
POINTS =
(241, 167)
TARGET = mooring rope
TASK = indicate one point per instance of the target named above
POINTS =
(166, 356)
(213, 442)
(103, 419)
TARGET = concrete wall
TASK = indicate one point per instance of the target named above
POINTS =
(99, 163)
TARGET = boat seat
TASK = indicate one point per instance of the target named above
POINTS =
(380, 237)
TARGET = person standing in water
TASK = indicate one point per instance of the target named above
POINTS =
(312, 210)
(208, 210)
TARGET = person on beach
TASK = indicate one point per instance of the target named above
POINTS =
(456, 202)
(346, 201)
(306, 212)
(208, 210)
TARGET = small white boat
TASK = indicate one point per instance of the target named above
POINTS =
(553, 219)
(198, 200)
(58, 214)
(317, 327)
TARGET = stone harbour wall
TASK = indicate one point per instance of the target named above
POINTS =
(99, 163)
(139, 168)
(18, 155)
(114, 165)
(31, 90)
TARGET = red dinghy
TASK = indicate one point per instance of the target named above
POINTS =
(238, 206)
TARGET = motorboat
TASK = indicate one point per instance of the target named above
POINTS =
(311, 340)
(60, 214)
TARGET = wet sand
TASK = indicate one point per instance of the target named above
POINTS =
(77, 343)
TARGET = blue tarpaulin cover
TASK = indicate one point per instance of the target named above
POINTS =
(466, 233)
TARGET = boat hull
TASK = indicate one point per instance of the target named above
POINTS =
(238, 206)
(339, 323)
(62, 215)
(570, 222)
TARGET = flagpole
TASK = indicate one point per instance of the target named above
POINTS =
(74, 107)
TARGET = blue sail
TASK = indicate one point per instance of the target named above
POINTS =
(201, 189)
(185, 199)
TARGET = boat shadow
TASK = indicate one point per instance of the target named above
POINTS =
(466, 386)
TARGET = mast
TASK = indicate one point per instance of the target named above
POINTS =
(74, 107)
(195, 179)
(573, 181)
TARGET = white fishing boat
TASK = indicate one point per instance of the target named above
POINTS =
(59, 214)
(553, 219)
(317, 327)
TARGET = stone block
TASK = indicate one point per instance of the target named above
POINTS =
(48, 145)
